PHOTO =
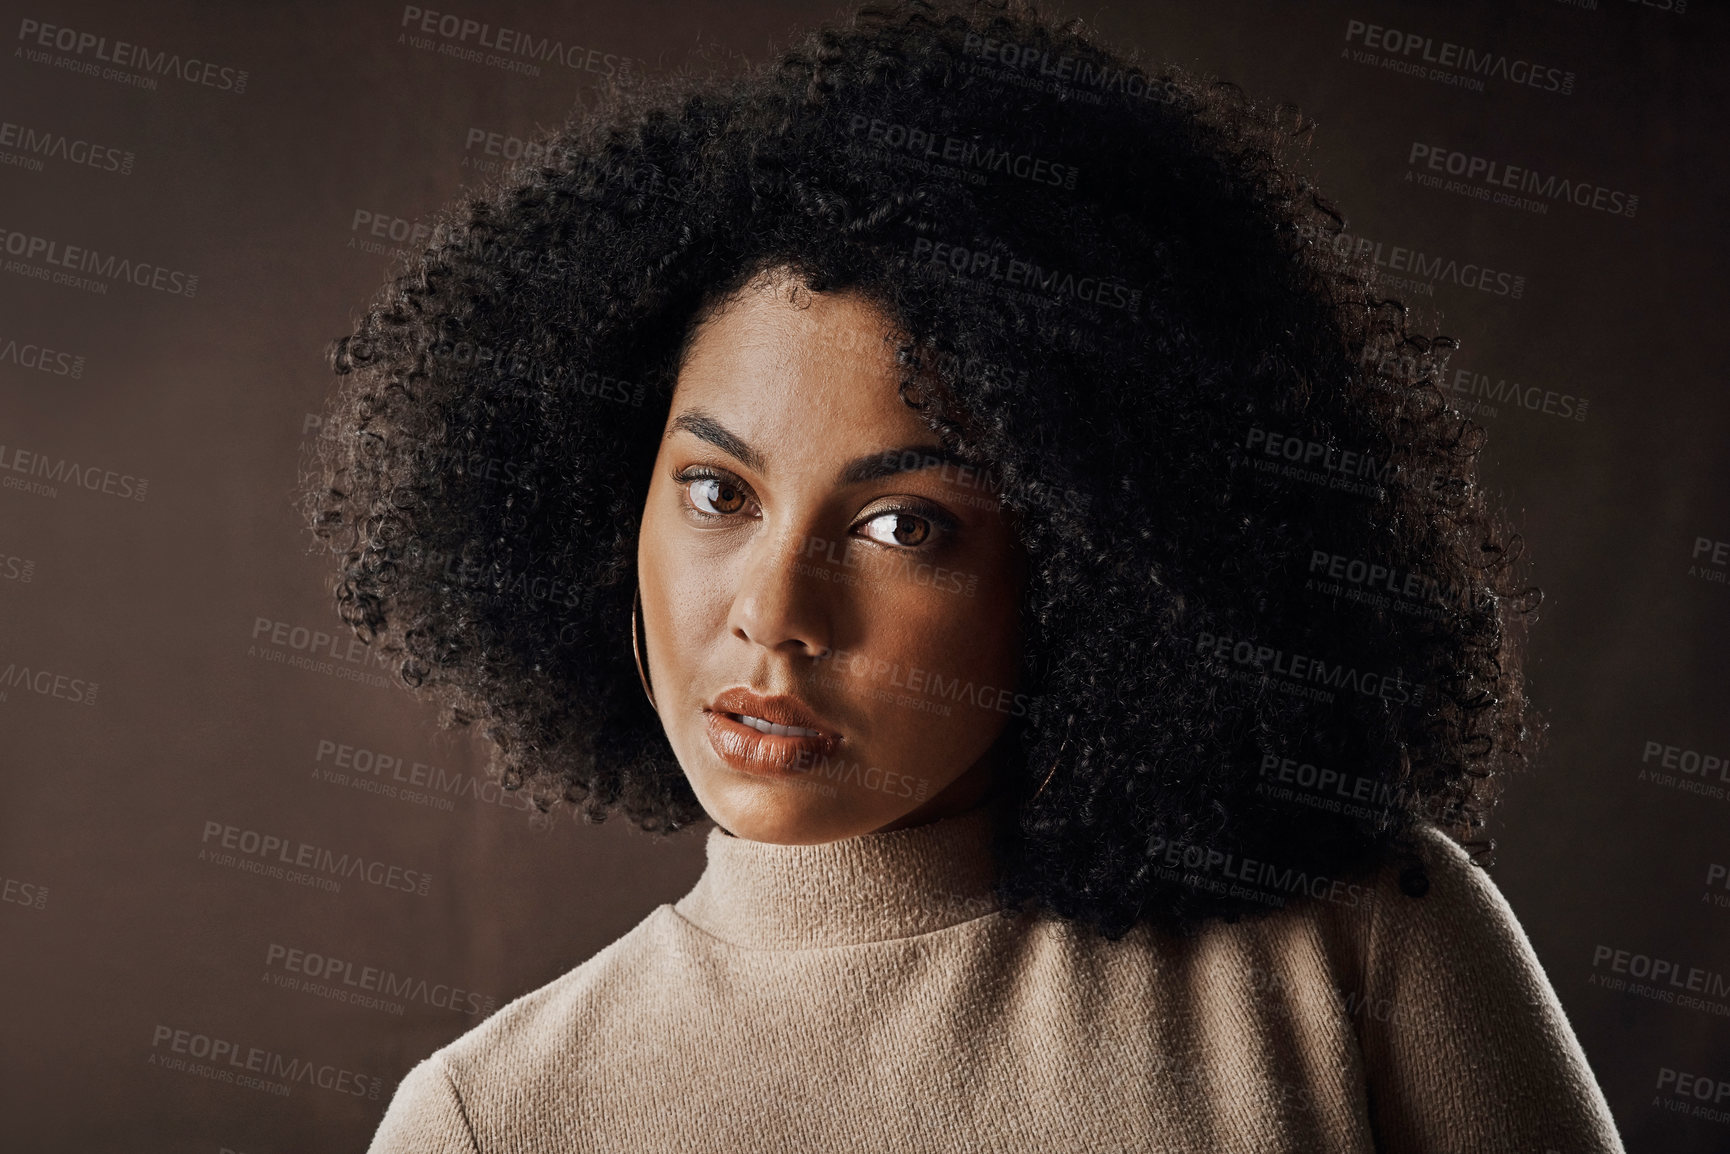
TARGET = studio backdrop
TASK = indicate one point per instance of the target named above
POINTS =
(226, 828)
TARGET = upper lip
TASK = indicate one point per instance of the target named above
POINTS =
(778, 710)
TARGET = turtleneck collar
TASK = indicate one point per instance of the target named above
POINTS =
(869, 888)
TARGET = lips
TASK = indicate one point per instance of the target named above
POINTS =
(773, 736)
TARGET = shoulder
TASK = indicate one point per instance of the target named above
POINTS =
(1443, 941)
(1439, 854)
(1423, 917)
(527, 1041)
(1425, 884)
(1429, 896)
(1464, 1038)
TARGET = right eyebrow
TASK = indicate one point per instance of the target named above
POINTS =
(702, 425)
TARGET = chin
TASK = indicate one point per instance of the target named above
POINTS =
(788, 818)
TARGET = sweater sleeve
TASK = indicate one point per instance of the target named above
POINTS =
(1466, 1046)
(425, 1116)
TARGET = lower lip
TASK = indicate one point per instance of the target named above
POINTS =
(766, 754)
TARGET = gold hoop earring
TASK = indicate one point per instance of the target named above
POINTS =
(637, 647)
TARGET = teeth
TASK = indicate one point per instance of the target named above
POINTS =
(762, 726)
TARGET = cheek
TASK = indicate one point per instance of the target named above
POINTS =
(958, 617)
(685, 594)
(942, 671)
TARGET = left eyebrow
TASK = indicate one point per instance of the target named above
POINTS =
(701, 425)
(889, 462)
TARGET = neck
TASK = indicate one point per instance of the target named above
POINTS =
(880, 885)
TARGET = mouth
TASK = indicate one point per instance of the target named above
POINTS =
(768, 736)
(762, 726)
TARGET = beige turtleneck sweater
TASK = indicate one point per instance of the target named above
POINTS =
(862, 995)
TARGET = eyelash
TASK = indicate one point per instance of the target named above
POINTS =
(942, 524)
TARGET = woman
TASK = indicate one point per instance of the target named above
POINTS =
(955, 460)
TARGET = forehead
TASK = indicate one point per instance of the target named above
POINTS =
(779, 362)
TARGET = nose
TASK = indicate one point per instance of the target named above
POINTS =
(781, 604)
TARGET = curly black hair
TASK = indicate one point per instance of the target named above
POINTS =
(1271, 618)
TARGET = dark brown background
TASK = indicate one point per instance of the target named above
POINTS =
(103, 806)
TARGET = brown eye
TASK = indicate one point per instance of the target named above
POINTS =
(716, 497)
(904, 528)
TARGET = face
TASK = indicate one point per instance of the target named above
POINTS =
(830, 603)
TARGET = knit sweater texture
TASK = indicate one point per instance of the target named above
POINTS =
(866, 994)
